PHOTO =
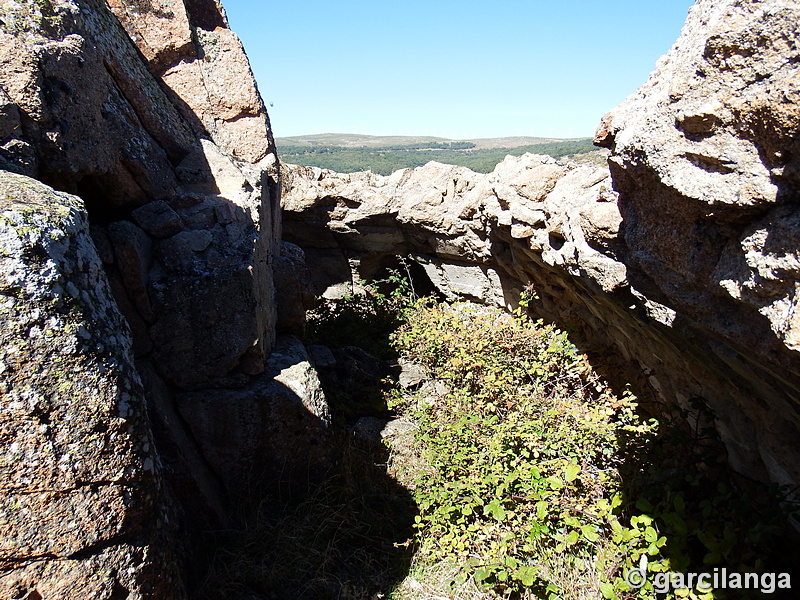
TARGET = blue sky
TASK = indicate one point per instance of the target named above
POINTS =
(452, 69)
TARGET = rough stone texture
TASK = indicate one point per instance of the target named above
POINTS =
(82, 512)
(294, 292)
(707, 165)
(351, 226)
(688, 273)
(159, 28)
(266, 434)
(82, 111)
(684, 262)
(93, 118)
(149, 112)
(228, 103)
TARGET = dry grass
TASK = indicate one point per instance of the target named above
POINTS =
(445, 580)
(349, 539)
(439, 582)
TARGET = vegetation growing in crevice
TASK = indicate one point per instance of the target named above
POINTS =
(525, 475)
(366, 319)
(540, 481)
(521, 474)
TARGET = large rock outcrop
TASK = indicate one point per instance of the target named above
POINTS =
(148, 114)
(705, 159)
(83, 512)
(683, 258)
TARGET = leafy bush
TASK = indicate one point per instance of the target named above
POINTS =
(526, 476)
(521, 477)
(540, 482)
(363, 319)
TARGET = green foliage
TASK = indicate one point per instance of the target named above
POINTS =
(527, 476)
(541, 482)
(385, 160)
(366, 320)
(521, 468)
(708, 516)
(332, 149)
(363, 319)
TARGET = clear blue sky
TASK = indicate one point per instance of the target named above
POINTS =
(451, 69)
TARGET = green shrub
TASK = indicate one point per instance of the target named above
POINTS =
(540, 482)
(520, 453)
(363, 319)
(527, 476)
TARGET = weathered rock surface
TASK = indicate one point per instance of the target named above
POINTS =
(706, 163)
(82, 510)
(683, 259)
(294, 292)
(270, 433)
(173, 156)
(457, 225)
(149, 112)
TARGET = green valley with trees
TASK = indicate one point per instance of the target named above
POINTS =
(383, 155)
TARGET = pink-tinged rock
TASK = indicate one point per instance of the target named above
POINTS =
(159, 28)
(219, 89)
(603, 135)
(82, 512)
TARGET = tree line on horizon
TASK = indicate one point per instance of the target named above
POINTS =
(386, 160)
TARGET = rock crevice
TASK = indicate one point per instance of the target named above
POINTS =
(149, 114)
(681, 258)
(135, 369)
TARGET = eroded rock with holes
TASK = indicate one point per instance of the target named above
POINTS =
(706, 163)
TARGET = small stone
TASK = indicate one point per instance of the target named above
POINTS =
(158, 219)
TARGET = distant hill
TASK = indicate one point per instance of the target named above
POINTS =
(346, 153)
(350, 140)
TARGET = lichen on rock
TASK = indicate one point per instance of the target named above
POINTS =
(79, 468)
(179, 180)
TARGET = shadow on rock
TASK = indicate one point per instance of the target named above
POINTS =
(317, 516)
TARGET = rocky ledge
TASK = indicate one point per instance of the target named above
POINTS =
(682, 259)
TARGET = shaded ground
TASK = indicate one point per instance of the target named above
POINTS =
(353, 536)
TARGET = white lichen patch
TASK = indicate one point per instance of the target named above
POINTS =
(67, 379)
